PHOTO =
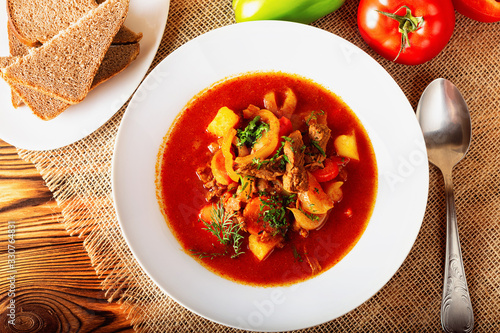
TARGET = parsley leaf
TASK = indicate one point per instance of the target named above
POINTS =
(316, 144)
(252, 132)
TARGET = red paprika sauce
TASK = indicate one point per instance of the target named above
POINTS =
(182, 195)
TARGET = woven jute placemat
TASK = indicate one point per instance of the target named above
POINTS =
(79, 176)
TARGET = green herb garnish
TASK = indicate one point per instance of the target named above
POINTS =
(252, 132)
(313, 116)
(310, 216)
(296, 254)
(275, 215)
(260, 163)
(203, 255)
(316, 144)
(225, 229)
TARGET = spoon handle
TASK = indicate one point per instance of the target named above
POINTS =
(456, 307)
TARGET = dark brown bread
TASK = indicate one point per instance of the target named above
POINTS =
(126, 36)
(36, 22)
(6, 61)
(65, 66)
(17, 49)
(116, 60)
(45, 107)
(42, 105)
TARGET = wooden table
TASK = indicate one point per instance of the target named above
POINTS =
(56, 288)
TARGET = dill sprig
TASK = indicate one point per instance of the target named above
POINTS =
(223, 227)
(203, 255)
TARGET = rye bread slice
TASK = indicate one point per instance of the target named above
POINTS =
(36, 22)
(7, 61)
(16, 49)
(65, 66)
(126, 36)
(45, 107)
(116, 60)
(42, 105)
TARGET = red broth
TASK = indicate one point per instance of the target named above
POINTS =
(182, 195)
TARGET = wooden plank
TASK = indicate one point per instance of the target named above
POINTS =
(51, 285)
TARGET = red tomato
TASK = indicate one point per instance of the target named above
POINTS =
(429, 25)
(285, 127)
(330, 171)
(479, 10)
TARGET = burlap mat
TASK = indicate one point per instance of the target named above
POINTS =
(79, 177)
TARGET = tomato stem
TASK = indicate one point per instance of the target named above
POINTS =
(407, 23)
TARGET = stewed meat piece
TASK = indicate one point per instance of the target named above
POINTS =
(295, 178)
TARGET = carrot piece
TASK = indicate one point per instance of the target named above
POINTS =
(329, 171)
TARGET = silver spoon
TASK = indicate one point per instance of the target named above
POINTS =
(445, 121)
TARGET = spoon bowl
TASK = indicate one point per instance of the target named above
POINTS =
(446, 125)
(445, 121)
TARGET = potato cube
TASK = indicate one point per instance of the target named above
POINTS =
(259, 248)
(223, 122)
(346, 146)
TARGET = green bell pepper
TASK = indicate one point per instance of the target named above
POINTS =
(302, 11)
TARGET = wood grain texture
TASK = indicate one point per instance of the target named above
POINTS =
(50, 286)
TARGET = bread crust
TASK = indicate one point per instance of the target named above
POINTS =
(36, 22)
(14, 30)
(111, 66)
(16, 49)
(117, 58)
(70, 84)
(124, 36)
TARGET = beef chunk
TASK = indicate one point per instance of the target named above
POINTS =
(295, 178)
(204, 173)
(318, 135)
(267, 169)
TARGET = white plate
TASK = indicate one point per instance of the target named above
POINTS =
(345, 70)
(21, 128)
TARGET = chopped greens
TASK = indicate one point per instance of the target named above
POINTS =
(275, 215)
(314, 115)
(316, 144)
(252, 132)
(310, 216)
(296, 254)
(260, 163)
(257, 161)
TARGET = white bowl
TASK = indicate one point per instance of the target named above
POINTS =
(339, 66)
